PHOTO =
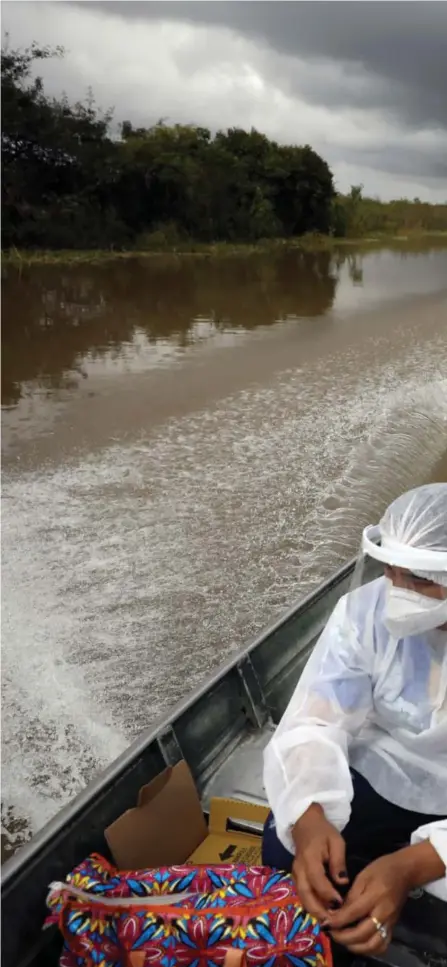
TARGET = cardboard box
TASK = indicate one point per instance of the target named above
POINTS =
(167, 827)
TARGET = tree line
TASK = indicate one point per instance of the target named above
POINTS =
(357, 216)
(69, 183)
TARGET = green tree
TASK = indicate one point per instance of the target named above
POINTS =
(58, 161)
(68, 183)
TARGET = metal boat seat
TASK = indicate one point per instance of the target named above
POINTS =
(240, 775)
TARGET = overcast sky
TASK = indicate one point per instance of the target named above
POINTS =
(365, 83)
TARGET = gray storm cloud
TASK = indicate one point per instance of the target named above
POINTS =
(363, 82)
(400, 48)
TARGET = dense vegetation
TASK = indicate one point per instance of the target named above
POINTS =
(356, 216)
(68, 183)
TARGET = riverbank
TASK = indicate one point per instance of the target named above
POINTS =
(305, 243)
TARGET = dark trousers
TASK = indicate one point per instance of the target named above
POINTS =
(376, 827)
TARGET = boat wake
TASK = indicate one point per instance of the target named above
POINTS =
(130, 573)
(402, 451)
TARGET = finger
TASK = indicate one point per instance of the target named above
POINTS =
(359, 934)
(374, 946)
(295, 873)
(354, 909)
(309, 899)
(321, 885)
(337, 860)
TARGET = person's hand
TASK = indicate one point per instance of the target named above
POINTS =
(319, 848)
(374, 900)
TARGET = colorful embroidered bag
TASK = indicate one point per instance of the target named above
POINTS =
(185, 916)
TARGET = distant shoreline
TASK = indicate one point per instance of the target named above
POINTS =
(306, 243)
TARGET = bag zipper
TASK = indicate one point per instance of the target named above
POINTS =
(66, 890)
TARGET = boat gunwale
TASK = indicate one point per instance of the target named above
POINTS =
(26, 854)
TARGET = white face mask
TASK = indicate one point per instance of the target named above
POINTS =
(410, 613)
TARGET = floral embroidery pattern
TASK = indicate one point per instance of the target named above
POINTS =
(253, 909)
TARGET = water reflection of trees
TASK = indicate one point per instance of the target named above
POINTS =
(54, 315)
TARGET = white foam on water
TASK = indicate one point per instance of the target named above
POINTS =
(129, 574)
(405, 442)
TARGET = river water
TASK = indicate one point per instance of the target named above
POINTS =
(190, 444)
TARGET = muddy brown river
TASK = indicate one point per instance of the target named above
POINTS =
(190, 444)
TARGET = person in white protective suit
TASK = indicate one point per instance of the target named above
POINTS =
(356, 772)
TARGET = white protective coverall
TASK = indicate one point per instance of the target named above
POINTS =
(371, 701)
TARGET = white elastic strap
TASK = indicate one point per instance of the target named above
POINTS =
(67, 890)
(401, 555)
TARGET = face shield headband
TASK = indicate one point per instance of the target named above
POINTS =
(393, 552)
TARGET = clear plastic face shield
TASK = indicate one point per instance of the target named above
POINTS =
(408, 547)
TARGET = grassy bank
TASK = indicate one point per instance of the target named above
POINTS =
(306, 243)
